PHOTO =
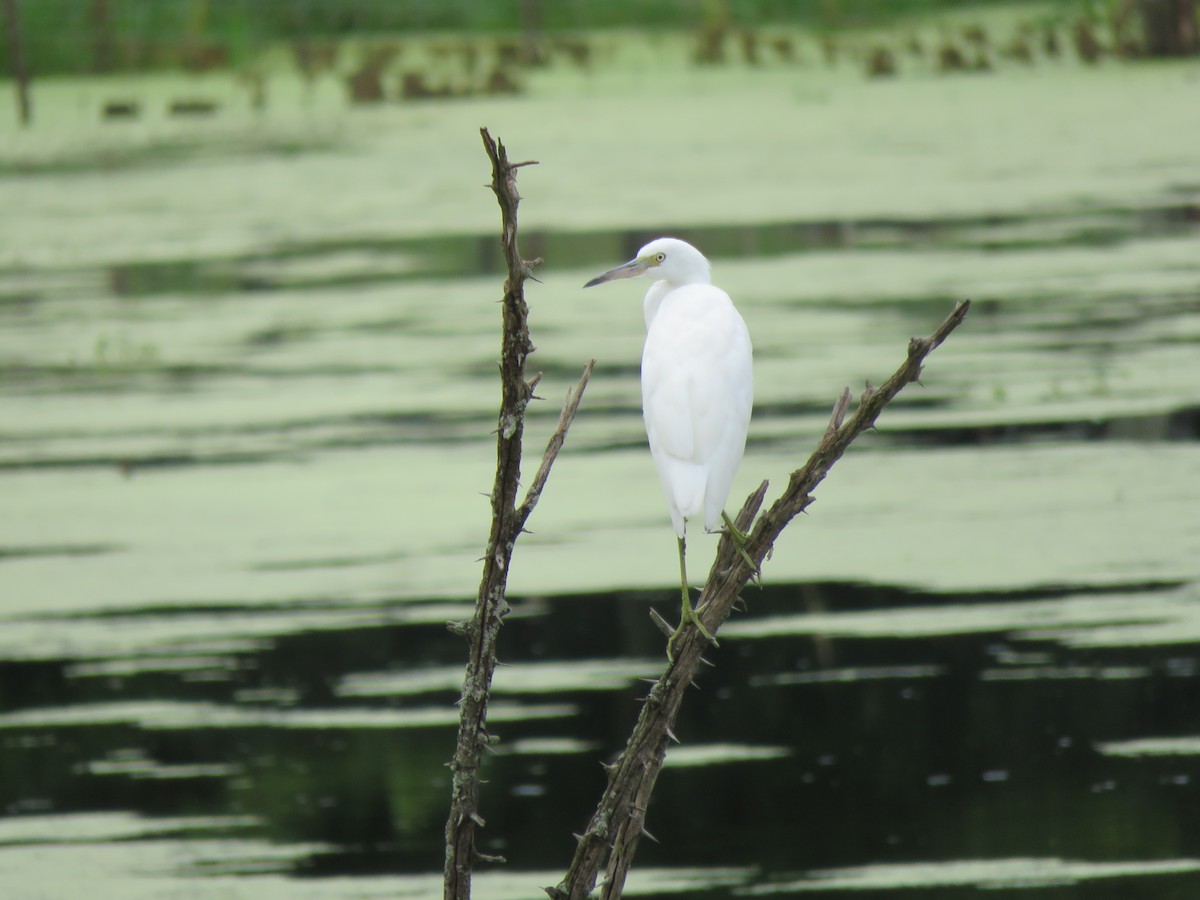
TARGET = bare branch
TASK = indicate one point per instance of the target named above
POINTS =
(570, 407)
(482, 629)
(839, 412)
(618, 822)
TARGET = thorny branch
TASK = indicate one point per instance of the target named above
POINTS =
(617, 825)
(482, 629)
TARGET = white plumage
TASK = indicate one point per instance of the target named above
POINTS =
(697, 390)
(697, 383)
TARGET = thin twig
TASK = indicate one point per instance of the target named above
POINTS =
(618, 822)
(565, 418)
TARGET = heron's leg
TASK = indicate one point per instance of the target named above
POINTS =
(688, 614)
(739, 539)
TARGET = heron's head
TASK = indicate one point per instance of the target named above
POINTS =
(666, 259)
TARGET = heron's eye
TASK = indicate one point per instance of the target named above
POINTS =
(660, 256)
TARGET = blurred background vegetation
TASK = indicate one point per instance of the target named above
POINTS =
(98, 36)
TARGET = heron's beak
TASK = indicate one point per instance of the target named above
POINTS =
(631, 269)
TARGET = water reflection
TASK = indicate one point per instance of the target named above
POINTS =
(350, 345)
(349, 262)
(982, 740)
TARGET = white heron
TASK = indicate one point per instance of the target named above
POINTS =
(697, 390)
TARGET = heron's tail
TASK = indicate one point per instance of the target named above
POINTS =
(684, 484)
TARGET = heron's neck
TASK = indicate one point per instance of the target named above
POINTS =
(654, 299)
(658, 293)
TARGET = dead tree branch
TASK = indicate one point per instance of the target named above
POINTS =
(617, 825)
(570, 407)
(483, 628)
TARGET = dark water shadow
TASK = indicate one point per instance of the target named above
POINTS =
(823, 752)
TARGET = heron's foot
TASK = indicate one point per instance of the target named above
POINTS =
(740, 539)
(688, 615)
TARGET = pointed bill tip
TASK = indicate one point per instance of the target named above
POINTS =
(631, 269)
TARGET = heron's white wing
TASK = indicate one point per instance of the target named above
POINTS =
(697, 392)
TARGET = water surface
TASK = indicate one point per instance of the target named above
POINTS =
(248, 375)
